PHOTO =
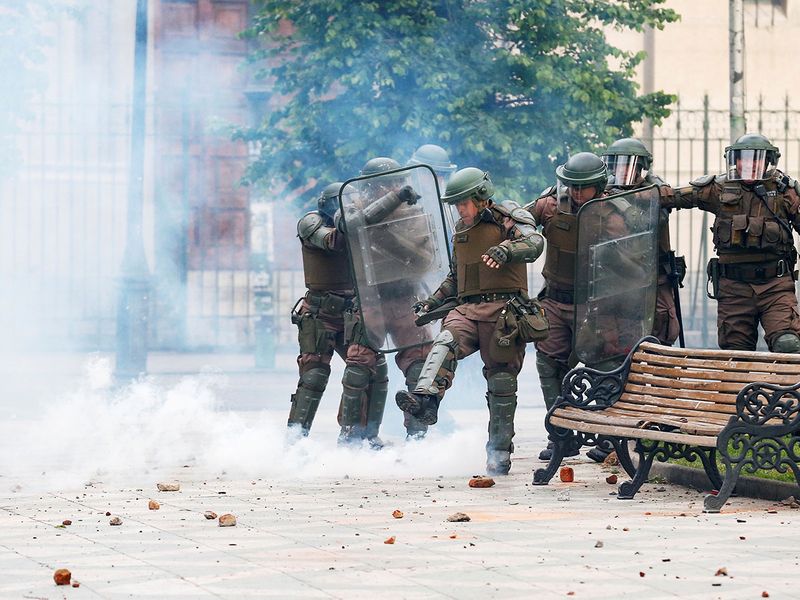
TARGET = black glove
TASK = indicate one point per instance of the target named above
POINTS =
(498, 254)
(408, 195)
(426, 305)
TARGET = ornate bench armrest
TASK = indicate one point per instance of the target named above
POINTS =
(583, 387)
(767, 404)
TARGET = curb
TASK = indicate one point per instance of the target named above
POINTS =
(752, 487)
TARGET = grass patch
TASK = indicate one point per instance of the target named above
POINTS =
(760, 473)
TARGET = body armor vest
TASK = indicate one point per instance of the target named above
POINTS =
(747, 228)
(474, 277)
(326, 270)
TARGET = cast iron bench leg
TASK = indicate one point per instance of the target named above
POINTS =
(560, 445)
(628, 489)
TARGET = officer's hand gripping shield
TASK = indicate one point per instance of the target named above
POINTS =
(616, 271)
(395, 230)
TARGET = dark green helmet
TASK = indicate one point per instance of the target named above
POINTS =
(630, 147)
(751, 157)
(467, 183)
(583, 169)
(380, 164)
(328, 201)
(434, 156)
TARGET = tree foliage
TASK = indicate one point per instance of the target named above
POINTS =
(510, 86)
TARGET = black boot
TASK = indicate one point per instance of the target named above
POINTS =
(425, 407)
(547, 453)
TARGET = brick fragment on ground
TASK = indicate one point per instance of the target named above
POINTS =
(168, 487)
(390, 540)
(210, 515)
(227, 520)
(62, 576)
(566, 474)
(481, 482)
(611, 460)
(153, 505)
(612, 479)
(115, 521)
(398, 514)
(66, 522)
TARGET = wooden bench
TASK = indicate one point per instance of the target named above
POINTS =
(684, 403)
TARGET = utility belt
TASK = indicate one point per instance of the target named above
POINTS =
(323, 302)
(491, 297)
(758, 272)
(563, 296)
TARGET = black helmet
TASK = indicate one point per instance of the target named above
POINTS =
(328, 201)
(470, 182)
(583, 169)
(750, 157)
(435, 157)
(628, 161)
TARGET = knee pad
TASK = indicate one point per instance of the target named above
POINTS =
(413, 373)
(356, 377)
(316, 378)
(502, 383)
(788, 341)
(549, 367)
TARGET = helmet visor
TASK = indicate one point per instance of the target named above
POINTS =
(749, 165)
(626, 170)
(573, 193)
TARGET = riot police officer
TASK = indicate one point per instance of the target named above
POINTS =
(629, 164)
(491, 246)
(581, 179)
(437, 159)
(756, 210)
(385, 198)
(321, 324)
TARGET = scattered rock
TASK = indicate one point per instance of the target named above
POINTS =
(454, 536)
(641, 573)
(481, 482)
(566, 474)
(108, 514)
(153, 505)
(66, 522)
(210, 515)
(168, 487)
(721, 572)
(458, 517)
(765, 594)
(611, 479)
(75, 584)
(598, 544)
(389, 540)
(398, 514)
(115, 521)
(611, 460)
(227, 520)
(791, 502)
(62, 576)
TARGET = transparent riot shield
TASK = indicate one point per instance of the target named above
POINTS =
(616, 271)
(395, 230)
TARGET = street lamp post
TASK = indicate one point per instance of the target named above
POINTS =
(133, 307)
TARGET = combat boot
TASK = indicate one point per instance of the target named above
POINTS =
(414, 429)
(502, 401)
(376, 403)
(355, 381)
(424, 407)
(551, 373)
(306, 399)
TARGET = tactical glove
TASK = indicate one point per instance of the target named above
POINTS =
(426, 305)
(408, 195)
(498, 254)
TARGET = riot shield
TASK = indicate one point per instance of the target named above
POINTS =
(396, 235)
(616, 271)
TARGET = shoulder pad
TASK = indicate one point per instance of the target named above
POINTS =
(548, 191)
(621, 204)
(703, 181)
(308, 224)
(653, 179)
(509, 208)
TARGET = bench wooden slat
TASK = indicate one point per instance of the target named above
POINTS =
(629, 432)
(680, 384)
(709, 374)
(722, 365)
(685, 424)
(610, 416)
(679, 407)
(694, 413)
(715, 397)
(690, 353)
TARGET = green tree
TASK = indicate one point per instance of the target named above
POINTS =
(511, 86)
